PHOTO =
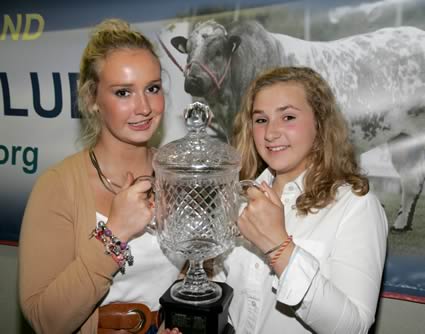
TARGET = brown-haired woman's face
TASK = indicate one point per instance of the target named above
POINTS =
(130, 96)
(284, 127)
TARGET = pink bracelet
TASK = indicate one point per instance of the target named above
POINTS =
(280, 250)
(119, 250)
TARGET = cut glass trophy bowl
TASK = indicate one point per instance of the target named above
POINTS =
(197, 199)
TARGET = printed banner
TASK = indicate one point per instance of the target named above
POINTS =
(372, 54)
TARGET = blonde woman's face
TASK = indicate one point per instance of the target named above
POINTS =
(284, 128)
(129, 96)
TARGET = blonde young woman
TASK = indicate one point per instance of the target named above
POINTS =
(84, 253)
(315, 235)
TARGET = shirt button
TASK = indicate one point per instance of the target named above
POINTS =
(290, 188)
(253, 303)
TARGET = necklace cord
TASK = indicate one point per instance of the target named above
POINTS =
(107, 183)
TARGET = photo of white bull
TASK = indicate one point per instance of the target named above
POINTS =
(378, 79)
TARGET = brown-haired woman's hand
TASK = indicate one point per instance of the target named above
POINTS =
(263, 220)
(131, 209)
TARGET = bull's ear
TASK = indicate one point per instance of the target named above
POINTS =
(179, 42)
(234, 42)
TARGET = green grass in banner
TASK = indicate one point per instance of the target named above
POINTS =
(410, 242)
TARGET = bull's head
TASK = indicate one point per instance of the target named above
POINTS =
(209, 51)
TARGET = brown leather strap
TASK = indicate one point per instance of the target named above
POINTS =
(120, 318)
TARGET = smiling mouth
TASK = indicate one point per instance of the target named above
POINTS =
(141, 125)
(146, 121)
(277, 148)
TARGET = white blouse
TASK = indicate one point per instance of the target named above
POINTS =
(148, 278)
(332, 282)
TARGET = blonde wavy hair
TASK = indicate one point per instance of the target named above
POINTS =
(332, 161)
(108, 36)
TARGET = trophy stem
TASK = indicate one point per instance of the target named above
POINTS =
(196, 289)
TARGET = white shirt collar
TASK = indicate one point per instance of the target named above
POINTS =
(298, 182)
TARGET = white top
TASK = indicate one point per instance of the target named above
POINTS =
(148, 278)
(333, 278)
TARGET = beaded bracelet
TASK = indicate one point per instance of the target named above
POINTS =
(279, 250)
(119, 250)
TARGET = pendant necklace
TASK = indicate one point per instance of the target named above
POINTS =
(107, 183)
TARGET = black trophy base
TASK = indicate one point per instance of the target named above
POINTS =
(198, 319)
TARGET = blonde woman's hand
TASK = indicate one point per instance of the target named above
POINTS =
(131, 209)
(263, 220)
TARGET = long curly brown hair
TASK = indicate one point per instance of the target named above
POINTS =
(332, 161)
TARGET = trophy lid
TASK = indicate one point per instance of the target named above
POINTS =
(197, 152)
